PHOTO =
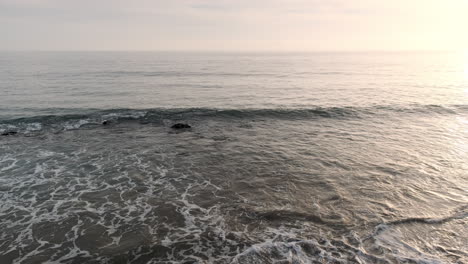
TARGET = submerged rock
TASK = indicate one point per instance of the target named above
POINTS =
(180, 126)
(9, 133)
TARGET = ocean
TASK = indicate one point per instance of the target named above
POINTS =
(290, 158)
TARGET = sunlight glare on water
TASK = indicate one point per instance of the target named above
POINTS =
(465, 68)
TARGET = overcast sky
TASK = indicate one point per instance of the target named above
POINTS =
(237, 25)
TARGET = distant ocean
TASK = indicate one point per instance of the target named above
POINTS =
(290, 158)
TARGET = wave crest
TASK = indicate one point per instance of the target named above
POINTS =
(157, 115)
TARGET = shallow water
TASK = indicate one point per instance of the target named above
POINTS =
(343, 170)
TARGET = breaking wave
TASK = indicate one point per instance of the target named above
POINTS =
(384, 245)
(57, 123)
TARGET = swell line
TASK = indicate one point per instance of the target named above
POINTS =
(87, 117)
(458, 213)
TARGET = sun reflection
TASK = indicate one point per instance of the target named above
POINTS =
(465, 69)
(465, 74)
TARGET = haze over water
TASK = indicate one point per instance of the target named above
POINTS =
(105, 80)
(292, 157)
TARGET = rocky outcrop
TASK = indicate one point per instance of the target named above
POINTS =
(9, 133)
(180, 126)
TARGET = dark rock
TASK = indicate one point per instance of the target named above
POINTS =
(105, 122)
(180, 126)
(9, 133)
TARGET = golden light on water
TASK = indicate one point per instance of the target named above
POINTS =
(465, 68)
(465, 75)
(465, 72)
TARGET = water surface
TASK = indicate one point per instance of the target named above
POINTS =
(291, 158)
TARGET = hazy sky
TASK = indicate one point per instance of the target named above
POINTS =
(284, 25)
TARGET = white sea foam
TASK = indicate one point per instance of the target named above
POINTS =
(31, 127)
(71, 125)
(139, 194)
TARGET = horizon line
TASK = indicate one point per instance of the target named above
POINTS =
(233, 51)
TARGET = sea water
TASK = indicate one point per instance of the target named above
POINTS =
(290, 158)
